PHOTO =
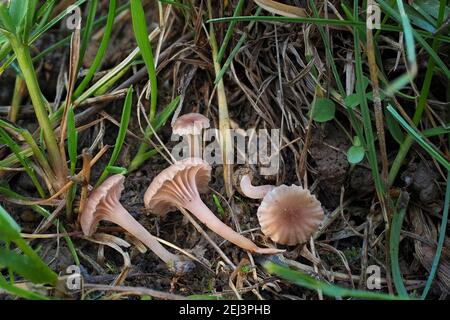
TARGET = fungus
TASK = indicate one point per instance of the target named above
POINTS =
(191, 126)
(179, 185)
(103, 204)
(251, 191)
(289, 215)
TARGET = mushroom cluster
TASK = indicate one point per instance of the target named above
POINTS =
(103, 204)
(287, 214)
(179, 186)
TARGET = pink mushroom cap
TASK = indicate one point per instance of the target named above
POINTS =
(289, 214)
(190, 124)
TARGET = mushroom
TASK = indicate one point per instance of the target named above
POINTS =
(289, 215)
(251, 191)
(191, 126)
(103, 204)
(179, 185)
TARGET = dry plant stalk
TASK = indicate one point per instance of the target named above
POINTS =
(224, 118)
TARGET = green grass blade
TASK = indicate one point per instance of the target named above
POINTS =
(416, 135)
(235, 50)
(229, 32)
(15, 148)
(40, 210)
(24, 266)
(89, 26)
(126, 114)
(19, 292)
(306, 281)
(365, 112)
(160, 120)
(101, 50)
(394, 241)
(140, 32)
(32, 266)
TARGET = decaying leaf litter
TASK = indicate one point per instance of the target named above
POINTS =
(274, 81)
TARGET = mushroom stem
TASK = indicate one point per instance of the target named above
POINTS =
(207, 217)
(122, 217)
(194, 146)
(254, 192)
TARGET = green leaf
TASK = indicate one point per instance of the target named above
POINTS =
(394, 242)
(394, 128)
(116, 170)
(24, 266)
(18, 10)
(9, 229)
(323, 110)
(352, 101)
(355, 154)
(126, 114)
(159, 121)
(140, 32)
(6, 21)
(306, 281)
(416, 135)
(19, 292)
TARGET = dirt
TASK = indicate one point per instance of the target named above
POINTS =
(328, 149)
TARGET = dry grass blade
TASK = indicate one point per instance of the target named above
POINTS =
(226, 143)
(139, 291)
(282, 9)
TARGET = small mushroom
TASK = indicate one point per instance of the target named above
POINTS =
(289, 215)
(191, 126)
(251, 191)
(103, 204)
(179, 185)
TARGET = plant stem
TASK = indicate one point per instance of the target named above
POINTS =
(19, 92)
(40, 106)
(224, 119)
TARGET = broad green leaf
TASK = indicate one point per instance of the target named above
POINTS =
(6, 22)
(18, 10)
(352, 101)
(355, 154)
(323, 110)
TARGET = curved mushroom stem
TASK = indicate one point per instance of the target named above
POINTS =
(254, 192)
(206, 216)
(123, 218)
